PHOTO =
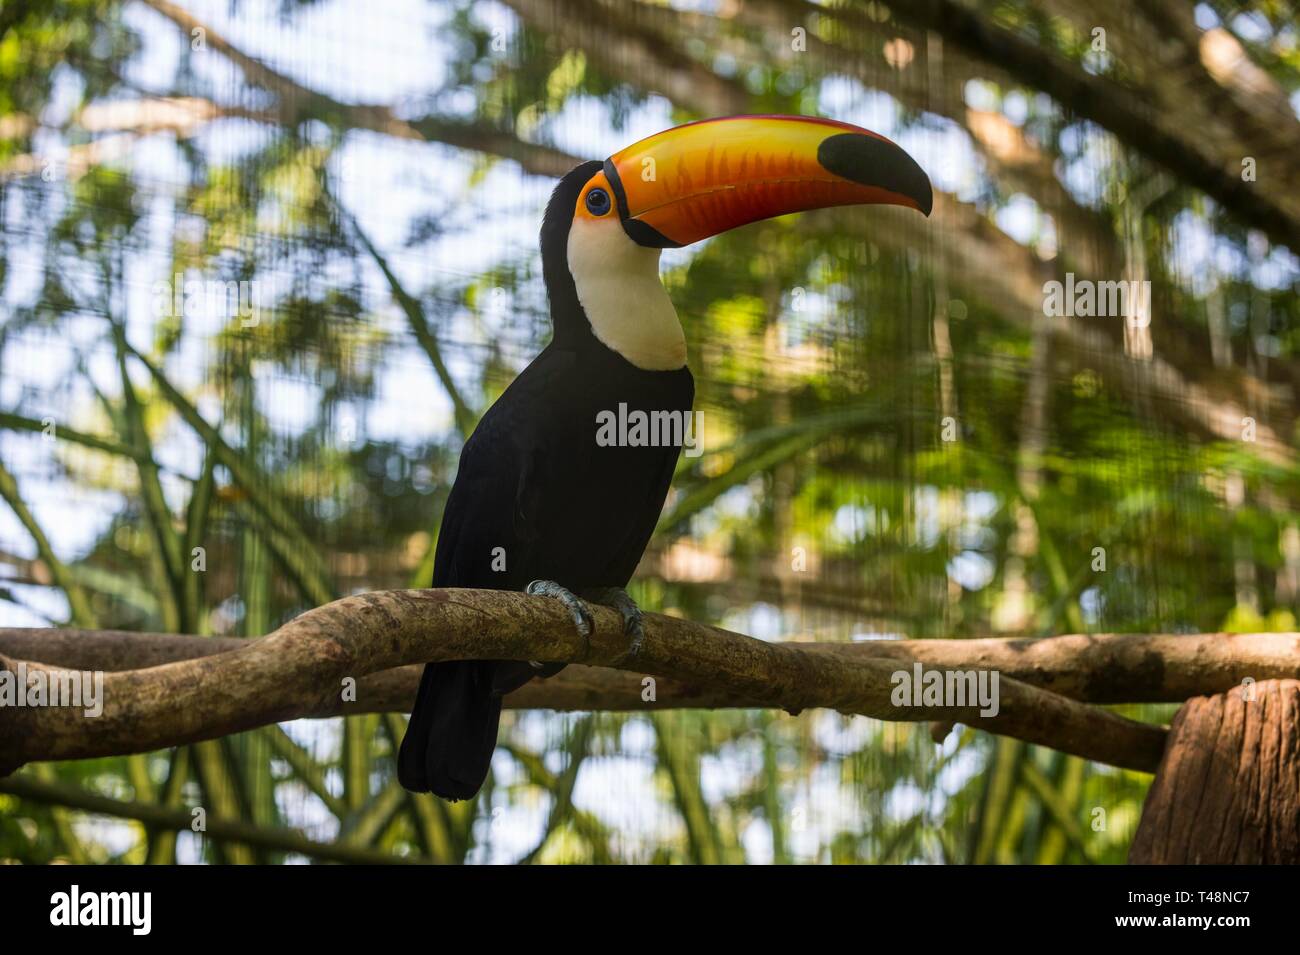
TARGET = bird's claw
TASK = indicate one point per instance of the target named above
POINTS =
(581, 616)
(633, 620)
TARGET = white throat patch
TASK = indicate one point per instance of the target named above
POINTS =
(619, 288)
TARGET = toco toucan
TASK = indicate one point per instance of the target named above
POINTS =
(539, 504)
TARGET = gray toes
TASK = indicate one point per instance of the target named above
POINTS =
(614, 597)
(634, 624)
(581, 617)
(633, 620)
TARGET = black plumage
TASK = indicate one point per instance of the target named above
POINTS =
(534, 481)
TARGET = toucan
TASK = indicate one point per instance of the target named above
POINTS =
(540, 503)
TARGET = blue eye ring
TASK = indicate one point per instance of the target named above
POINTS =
(598, 203)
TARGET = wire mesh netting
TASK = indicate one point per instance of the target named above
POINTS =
(265, 263)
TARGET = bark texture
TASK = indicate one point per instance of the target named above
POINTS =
(1094, 668)
(1228, 788)
(316, 663)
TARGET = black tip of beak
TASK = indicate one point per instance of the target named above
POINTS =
(878, 163)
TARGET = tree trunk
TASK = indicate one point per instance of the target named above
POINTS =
(1228, 787)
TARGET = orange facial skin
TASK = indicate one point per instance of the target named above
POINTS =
(581, 209)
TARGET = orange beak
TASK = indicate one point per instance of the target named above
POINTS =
(700, 179)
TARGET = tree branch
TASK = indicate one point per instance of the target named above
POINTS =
(1093, 668)
(1100, 100)
(305, 667)
(176, 819)
(295, 102)
(620, 40)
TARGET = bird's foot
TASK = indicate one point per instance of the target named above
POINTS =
(633, 621)
(581, 616)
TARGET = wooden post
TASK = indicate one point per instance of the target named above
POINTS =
(1228, 787)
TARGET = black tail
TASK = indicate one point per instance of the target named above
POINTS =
(448, 745)
(453, 730)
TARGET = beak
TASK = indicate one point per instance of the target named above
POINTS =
(697, 180)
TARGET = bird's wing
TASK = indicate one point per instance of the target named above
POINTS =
(495, 501)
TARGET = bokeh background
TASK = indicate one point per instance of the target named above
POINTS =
(899, 442)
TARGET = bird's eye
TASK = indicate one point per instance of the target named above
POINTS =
(598, 202)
